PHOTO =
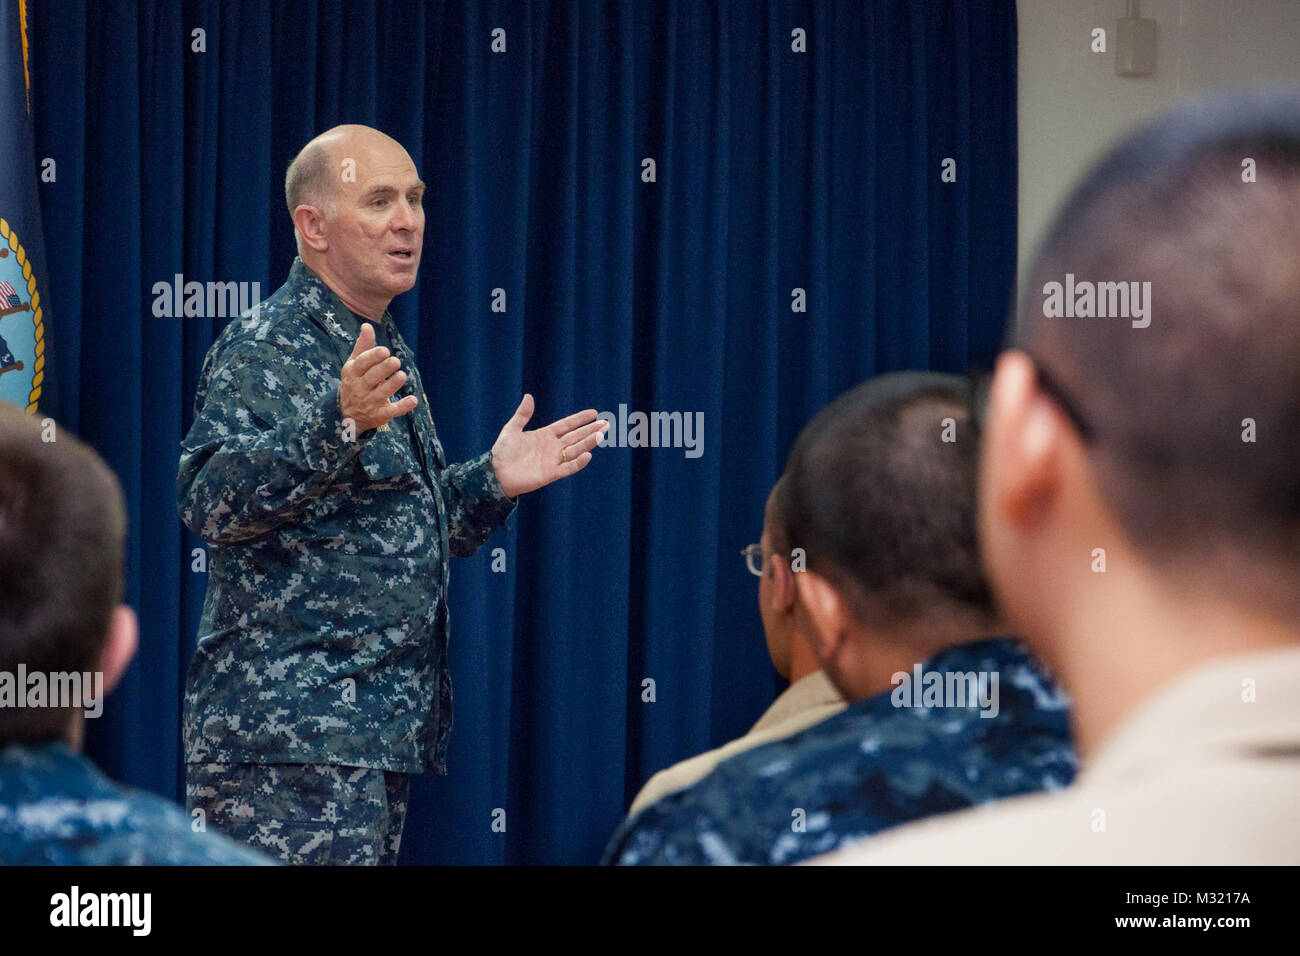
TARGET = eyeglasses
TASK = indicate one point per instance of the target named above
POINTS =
(754, 556)
(1051, 387)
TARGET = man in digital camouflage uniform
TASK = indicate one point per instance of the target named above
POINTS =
(62, 530)
(879, 493)
(314, 472)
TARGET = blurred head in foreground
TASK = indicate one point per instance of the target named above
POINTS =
(1140, 487)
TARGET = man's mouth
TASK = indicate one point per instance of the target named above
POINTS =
(403, 254)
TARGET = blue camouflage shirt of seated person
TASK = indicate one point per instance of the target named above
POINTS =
(875, 765)
(57, 808)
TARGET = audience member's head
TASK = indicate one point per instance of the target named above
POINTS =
(62, 525)
(1140, 486)
(877, 500)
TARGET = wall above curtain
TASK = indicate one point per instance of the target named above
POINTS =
(731, 210)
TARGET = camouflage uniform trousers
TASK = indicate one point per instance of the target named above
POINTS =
(304, 814)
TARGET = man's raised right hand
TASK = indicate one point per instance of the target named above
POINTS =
(370, 377)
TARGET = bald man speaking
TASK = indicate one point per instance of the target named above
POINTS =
(314, 472)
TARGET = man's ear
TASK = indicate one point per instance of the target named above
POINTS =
(1025, 437)
(827, 615)
(310, 223)
(782, 585)
(119, 646)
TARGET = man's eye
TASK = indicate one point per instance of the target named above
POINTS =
(379, 202)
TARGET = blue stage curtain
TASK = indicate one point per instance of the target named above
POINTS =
(776, 170)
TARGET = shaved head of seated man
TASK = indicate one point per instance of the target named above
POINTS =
(810, 698)
(944, 711)
(1140, 506)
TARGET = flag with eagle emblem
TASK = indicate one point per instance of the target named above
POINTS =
(24, 311)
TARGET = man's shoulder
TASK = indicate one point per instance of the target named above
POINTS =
(59, 809)
(162, 834)
(804, 704)
(1017, 830)
(1157, 820)
(155, 832)
(760, 775)
(875, 765)
(282, 322)
(867, 728)
(946, 756)
(1189, 778)
(278, 350)
(687, 772)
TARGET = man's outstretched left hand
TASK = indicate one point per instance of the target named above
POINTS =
(525, 461)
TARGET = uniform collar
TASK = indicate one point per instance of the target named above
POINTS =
(1207, 715)
(808, 692)
(320, 301)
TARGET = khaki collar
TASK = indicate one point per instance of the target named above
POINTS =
(811, 690)
(1208, 714)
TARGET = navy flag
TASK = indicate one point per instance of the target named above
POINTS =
(24, 313)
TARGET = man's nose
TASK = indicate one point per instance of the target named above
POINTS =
(404, 220)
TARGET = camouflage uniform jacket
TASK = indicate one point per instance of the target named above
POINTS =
(870, 767)
(324, 630)
(57, 808)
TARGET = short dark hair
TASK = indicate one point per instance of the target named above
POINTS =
(879, 492)
(62, 526)
(1166, 406)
